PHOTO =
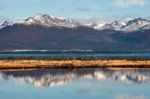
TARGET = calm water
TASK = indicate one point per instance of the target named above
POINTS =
(75, 84)
(79, 53)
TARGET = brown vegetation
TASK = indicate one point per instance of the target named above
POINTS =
(67, 62)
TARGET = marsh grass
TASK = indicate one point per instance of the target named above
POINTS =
(73, 62)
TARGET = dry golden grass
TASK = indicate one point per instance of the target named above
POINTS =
(26, 62)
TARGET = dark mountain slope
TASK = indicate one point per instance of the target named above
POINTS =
(52, 38)
(39, 37)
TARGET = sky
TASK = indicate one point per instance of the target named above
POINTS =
(78, 9)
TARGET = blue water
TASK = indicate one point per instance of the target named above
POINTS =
(75, 84)
(80, 53)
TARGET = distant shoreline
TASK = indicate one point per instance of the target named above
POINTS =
(23, 62)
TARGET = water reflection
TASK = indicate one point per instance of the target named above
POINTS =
(54, 77)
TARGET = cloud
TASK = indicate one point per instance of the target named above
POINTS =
(126, 3)
(101, 19)
(83, 9)
(92, 8)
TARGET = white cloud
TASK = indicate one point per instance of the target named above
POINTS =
(126, 3)
(83, 9)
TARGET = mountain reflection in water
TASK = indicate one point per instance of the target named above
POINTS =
(53, 77)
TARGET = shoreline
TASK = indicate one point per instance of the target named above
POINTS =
(23, 62)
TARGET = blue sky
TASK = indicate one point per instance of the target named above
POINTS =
(74, 8)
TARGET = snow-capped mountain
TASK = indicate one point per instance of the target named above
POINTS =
(127, 25)
(43, 19)
(5, 23)
(51, 33)
(116, 25)
(95, 25)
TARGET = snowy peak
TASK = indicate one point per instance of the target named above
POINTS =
(137, 24)
(114, 25)
(95, 25)
(5, 23)
(44, 19)
(127, 25)
(139, 21)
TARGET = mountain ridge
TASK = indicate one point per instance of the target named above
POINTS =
(125, 25)
(64, 34)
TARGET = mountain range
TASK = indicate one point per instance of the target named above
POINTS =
(45, 32)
